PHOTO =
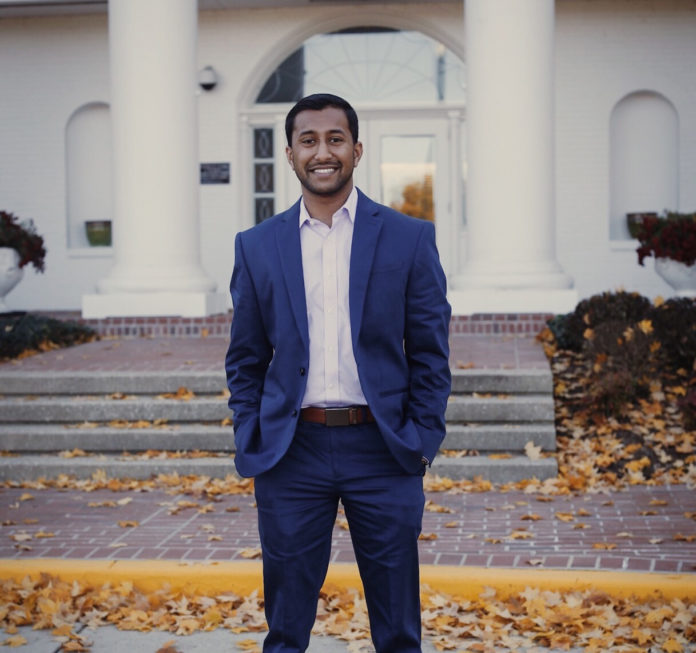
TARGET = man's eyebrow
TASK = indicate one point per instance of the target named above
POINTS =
(335, 130)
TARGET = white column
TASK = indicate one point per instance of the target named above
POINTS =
(511, 260)
(157, 268)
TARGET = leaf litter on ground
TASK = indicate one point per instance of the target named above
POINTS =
(532, 619)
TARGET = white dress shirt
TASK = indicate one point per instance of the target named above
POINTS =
(332, 378)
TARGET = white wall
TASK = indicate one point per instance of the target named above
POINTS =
(606, 49)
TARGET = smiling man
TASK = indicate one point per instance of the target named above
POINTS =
(339, 377)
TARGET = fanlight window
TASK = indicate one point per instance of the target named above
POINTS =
(371, 64)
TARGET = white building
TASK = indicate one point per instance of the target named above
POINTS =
(540, 125)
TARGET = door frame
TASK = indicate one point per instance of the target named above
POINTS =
(446, 123)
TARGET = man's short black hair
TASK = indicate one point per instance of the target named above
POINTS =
(317, 102)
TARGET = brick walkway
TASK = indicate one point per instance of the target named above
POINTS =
(204, 354)
(641, 529)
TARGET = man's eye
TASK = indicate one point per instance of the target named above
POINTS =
(307, 141)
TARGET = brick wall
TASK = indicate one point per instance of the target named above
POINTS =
(219, 325)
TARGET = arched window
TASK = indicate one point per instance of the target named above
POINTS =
(372, 64)
(644, 153)
(386, 68)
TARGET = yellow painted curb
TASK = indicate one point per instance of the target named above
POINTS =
(245, 577)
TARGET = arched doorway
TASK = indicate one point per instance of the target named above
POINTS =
(409, 92)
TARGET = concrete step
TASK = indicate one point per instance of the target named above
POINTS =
(511, 381)
(42, 414)
(209, 408)
(90, 437)
(507, 470)
(18, 468)
(81, 408)
(48, 466)
(93, 437)
(83, 383)
(496, 408)
(500, 437)
(36, 383)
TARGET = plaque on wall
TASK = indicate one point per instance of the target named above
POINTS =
(215, 173)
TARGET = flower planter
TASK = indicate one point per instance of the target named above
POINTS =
(98, 233)
(635, 220)
(10, 274)
(678, 275)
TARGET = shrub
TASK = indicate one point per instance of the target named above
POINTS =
(31, 333)
(623, 307)
(688, 408)
(675, 328)
(620, 360)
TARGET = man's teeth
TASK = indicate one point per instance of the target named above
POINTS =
(323, 171)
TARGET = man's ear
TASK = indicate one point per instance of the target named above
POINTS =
(357, 153)
(288, 153)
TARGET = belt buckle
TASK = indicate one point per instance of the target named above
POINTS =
(338, 417)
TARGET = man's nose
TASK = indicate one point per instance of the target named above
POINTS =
(323, 151)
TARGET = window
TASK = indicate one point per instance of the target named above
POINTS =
(264, 174)
(373, 64)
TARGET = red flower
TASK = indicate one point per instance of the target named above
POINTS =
(672, 236)
(22, 237)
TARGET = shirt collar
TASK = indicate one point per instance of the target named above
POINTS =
(350, 205)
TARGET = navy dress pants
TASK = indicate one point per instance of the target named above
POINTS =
(297, 504)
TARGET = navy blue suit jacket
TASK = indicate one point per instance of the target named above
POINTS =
(399, 318)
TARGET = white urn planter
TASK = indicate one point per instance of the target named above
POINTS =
(10, 274)
(680, 276)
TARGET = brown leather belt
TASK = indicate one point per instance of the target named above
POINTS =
(346, 416)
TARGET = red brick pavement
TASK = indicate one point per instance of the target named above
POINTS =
(643, 528)
(204, 354)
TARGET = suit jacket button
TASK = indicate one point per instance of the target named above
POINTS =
(302, 371)
(294, 413)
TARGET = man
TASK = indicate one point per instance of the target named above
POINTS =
(339, 378)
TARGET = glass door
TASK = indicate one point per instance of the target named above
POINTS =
(405, 166)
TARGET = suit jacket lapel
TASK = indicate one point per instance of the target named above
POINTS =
(290, 254)
(365, 235)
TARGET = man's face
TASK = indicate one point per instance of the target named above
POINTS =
(322, 153)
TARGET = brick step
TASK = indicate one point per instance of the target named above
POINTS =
(516, 468)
